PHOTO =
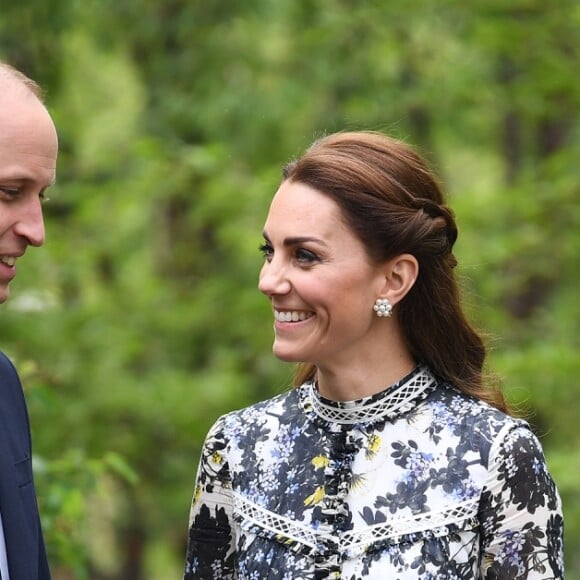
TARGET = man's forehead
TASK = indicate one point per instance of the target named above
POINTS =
(28, 142)
(12, 80)
(15, 93)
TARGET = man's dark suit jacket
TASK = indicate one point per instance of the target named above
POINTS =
(24, 542)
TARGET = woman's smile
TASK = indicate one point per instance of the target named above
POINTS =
(292, 315)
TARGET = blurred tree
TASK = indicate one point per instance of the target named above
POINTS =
(139, 322)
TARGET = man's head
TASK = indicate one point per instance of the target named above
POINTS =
(28, 152)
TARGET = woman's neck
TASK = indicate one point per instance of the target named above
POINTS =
(352, 381)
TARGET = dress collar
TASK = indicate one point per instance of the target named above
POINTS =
(390, 403)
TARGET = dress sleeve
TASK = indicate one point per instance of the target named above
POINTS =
(210, 547)
(520, 511)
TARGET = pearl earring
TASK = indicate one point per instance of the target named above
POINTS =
(383, 307)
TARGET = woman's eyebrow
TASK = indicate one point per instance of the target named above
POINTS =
(296, 240)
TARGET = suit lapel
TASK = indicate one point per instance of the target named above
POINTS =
(16, 479)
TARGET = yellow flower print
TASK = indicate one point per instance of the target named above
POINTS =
(358, 481)
(373, 446)
(316, 497)
(320, 462)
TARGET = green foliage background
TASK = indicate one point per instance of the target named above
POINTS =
(139, 322)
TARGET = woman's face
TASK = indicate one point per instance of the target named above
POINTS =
(319, 279)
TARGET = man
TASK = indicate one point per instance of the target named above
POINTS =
(28, 152)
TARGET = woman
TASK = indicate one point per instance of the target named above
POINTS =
(392, 457)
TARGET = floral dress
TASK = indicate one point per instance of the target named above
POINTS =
(419, 481)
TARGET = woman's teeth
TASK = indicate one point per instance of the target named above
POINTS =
(291, 315)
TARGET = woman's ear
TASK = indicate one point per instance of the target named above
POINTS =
(400, 275)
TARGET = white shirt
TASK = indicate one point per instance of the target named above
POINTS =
(3, 556)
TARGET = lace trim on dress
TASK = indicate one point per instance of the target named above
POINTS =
(388, 404)
(353, 542)
(436, 523)
(272, 522)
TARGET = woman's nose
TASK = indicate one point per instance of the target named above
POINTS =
(273, 279)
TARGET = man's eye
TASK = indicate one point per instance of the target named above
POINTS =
(10, 191)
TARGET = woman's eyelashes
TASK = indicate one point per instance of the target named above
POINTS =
(266, 250)
(303, 256)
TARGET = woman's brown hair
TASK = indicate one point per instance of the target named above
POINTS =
(394, 204)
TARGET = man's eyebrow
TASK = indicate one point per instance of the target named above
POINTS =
(25, 179)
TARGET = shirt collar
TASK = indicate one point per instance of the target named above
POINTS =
(389, 403)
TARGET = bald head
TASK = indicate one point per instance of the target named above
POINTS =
(12, 80)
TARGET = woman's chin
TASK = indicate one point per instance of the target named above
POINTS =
(286, 355)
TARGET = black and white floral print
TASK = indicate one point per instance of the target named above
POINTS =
(417, 482)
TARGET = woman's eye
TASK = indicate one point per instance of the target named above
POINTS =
(306, 256)
(266, 250)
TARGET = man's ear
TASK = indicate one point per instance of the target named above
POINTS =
(400, 275)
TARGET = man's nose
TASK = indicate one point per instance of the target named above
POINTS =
(30, 224)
